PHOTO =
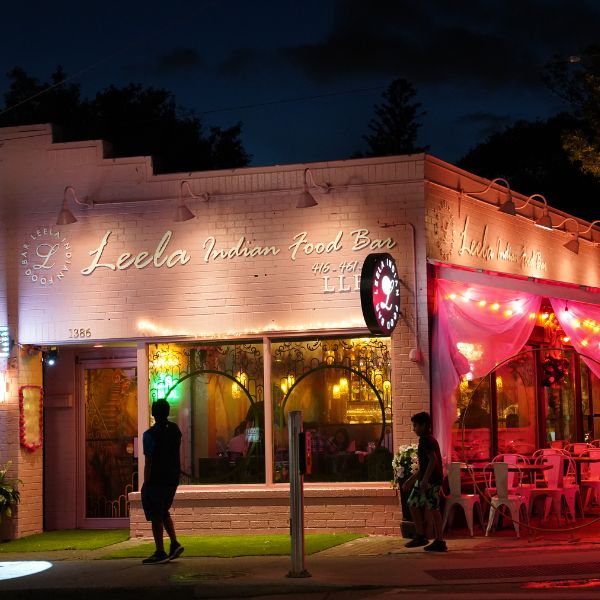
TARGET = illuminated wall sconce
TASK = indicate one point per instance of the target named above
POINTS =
(573, 243)
(182, 212)
(335, 392)
(307, 199)
(50, 356)
(65, 216)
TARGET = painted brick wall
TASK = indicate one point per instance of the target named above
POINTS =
(221, 511)
(205, 298)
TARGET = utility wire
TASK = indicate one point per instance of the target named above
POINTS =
(290, 100)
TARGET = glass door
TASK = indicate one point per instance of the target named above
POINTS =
(109, 465)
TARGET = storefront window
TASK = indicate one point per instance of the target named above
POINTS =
(216, 397)
(471, 435)
(515, 383)
(558, 397)
(343, 387)
(590, 403)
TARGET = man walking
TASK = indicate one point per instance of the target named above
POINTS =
(161, 478)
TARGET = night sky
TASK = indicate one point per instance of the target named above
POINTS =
(476, 65)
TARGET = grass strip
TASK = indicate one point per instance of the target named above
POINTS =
(66, 539)
(228, 546)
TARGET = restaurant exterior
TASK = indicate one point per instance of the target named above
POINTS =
(253, 309)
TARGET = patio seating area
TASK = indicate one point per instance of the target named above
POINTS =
(552, 490)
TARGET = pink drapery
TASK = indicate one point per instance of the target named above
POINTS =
(581, 322)
(475, 328)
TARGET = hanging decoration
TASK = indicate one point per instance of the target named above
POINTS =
(555, 370)
(30, 417)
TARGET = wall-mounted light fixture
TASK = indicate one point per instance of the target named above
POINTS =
(50, 356)
(573, 243)
(182, 212)
(508, 206)
(65, 216)
(307, 199)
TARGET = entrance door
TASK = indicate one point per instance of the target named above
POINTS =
(108, 463)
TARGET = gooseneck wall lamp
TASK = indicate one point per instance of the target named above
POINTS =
(307, 199)
(65, 216)
(508, 206)
(573, 243)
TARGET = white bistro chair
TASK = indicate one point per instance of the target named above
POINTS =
(515, 503)
(468, 502)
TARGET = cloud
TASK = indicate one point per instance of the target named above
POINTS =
(461, 42)
(178, 59)
(239, 62)
(487, 123)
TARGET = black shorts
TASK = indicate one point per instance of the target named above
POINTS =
(157, 500)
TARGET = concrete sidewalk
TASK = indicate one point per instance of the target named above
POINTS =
(367, 567)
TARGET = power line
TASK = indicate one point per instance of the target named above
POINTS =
(296, 99)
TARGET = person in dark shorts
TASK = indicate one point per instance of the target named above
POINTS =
(162, 443)
(426, 486)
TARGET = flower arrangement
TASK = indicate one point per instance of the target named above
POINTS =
(554, 371)
(404, 464)
(9, 495)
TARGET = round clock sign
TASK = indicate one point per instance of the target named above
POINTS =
(380, 293)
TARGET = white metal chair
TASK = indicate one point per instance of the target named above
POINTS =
(558, 486)
(513, 502)
(468, 502)
(516, 485)
(590, 481)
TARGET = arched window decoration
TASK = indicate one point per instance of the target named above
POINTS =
(216, 397)
(343, 387)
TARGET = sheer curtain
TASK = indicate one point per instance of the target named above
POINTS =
(581, 322)
(475, 327)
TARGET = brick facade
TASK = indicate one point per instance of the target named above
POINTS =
(414, 201)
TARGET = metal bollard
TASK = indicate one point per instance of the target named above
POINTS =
(296, 496)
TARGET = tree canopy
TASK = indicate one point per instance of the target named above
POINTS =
(395, 126)
(578, 82)
(531, 156)
(137, 120)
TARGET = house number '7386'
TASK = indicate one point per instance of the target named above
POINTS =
(80, 333)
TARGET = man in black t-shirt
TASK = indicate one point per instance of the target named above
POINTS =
(162, 443)
(426, 486)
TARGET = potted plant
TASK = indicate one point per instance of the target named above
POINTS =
(9, 495)
(404, 464)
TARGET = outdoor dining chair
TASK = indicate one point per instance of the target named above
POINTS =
(468, 502)
(590, 480)
(513, 502)
(559, 484)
